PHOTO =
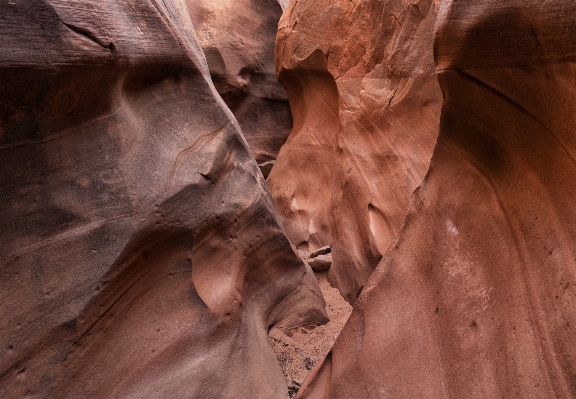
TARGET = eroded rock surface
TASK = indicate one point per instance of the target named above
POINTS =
(238, 38)
(476, 296)
(141, 256)
(361, 82)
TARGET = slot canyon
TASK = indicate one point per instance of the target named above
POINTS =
(274, 199)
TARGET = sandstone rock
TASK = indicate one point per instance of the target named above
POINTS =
(320, 263)
(238, 38)
(475, 297)
(321, 251)
(283, 4)
(361, 82)
(141, 255)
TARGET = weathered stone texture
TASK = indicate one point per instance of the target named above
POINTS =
(365, 100)
(475, 297)
(141, 255)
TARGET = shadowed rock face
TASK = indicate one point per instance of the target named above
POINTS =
(141, 255)
(238, 37)
(475, 297)
(361, 82)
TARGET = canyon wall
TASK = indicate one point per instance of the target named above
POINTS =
(143, 256)
(141, 253)
(365, 100)
(238, 37)
(475, 297)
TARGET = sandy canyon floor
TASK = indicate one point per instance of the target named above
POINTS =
(299, 351)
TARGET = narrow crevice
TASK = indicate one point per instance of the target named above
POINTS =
(90, 36)
(300, 349)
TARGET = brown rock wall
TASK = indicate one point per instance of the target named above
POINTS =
(361, 82)
(475, 297)
(238, 37)
(141, 254)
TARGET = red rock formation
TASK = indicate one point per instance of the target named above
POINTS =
(366, 107)
(238, 38)
(141, 255)
(475, 298)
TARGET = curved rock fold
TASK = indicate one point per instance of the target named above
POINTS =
(142, 256)
(475, 296)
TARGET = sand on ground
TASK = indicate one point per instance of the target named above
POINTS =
(302, 347)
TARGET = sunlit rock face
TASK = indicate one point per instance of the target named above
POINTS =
(238, 37)
(365, 100)
(141, 254)
(476, 296)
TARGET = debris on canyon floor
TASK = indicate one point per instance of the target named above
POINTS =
(319, 260)
(301, 348)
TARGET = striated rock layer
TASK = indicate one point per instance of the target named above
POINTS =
(141, 254)
(238, 38)
(476, 296)
(361, 82)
